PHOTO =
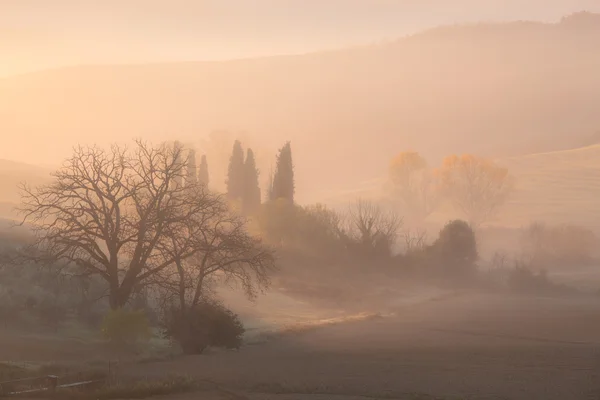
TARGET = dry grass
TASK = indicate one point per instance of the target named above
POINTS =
(305, 327)
(474, 346)
(138, 389)
(556, 187)
(104, 389)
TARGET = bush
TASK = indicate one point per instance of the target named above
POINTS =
(126, 327)
(206, 324)
(456, 249)
(523, 280)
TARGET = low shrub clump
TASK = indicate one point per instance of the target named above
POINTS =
(206, 324)
(523, 280)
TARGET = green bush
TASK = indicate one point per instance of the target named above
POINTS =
(126, 327)
(206, 324)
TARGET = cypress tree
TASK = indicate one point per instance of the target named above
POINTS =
(251, 199)
(191, 176)
(203, 176)
(283, 180)
(235, 173)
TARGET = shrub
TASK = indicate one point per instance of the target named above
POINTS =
(208, 323)
(522, 279)
(125, 327)
(456, 249)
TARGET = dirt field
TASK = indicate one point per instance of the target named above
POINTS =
(466, 347)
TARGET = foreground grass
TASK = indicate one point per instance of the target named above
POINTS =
(100, 390)
(329, 390)
(14, 371)
(134, 389)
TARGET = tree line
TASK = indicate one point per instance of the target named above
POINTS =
(132, 216)
(145, 218)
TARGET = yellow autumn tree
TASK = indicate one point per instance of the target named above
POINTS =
(414, 185)
(477, 186)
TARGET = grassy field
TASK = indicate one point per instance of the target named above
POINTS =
(467, 346)
(556, 187)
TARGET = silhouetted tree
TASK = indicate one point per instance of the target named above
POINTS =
(370, 231)
(251, 200)
(203, 176)
(456, 248)
(117, 214)
(283, 179)
(235, 173)
(191, 178)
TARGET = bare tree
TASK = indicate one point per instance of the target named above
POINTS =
(414, 240)
(371, 228)
(230, 255)
(477, 187)
(115, 213)
(415, 185)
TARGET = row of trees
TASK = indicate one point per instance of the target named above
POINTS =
(243, 179)
(476, 186)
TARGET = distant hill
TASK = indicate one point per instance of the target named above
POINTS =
(491, 89)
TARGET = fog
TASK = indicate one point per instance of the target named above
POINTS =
(300, 200)
(37, 34)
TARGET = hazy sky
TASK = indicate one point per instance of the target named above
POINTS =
(37, 34)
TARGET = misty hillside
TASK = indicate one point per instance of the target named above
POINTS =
(558, 187)
(11, 175)
(491, 89)
(553, 187)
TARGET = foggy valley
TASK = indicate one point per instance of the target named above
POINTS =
(358, 217)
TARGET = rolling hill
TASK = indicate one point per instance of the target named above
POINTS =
(553, 187)
(491, 89)
(556, 187)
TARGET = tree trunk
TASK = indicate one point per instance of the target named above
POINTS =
(119, 297)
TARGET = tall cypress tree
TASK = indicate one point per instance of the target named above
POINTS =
(235, 173)
(283, 180)
(251, 199)
(191, 176)
(203, 176)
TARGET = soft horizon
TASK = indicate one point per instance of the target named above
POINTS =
(38, 37)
